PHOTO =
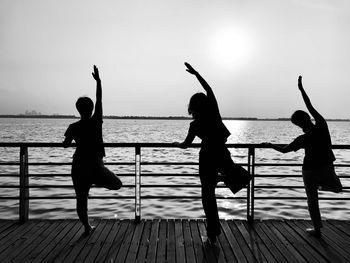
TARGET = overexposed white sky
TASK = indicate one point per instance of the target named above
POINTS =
(250, 52)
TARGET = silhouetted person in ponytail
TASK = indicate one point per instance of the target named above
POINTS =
(214, 157)
(318, 170)
(88, 167)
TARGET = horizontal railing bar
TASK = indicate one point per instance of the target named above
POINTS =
(187, 197)
(162, 186)
(74, 197)
(173, 197)
(9, 164)
(300, 198)
(64, 163)
(166, 174)
(69, 175)
(9, 198)
(148, 145)
(70, 186)
(169, 163)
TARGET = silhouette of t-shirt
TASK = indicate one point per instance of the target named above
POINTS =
(317, 144)
(209, 127)
(211, 132)
(88, 136)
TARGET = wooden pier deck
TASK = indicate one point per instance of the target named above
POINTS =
(172, 241)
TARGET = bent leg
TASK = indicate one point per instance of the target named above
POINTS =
(235, 177)
(107, 179)
(329, 180)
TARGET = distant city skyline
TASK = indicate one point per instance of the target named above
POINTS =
(250, 52)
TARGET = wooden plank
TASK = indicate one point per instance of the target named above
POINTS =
(34, 241)
(209, 252)
(124, 248)
(329, 241)
(118, 241)
(10, 240)
(242, 242)
(305, 250)
(188, 244)
(171, 241)
(4, 224)
(144, 242)
(114, 226)
(232, 244)
(249, 237)
(162, 237)
(256, 239)
(280, 243)
(7, 231)
(318, 244)
(62, 243)
(179, 245)
(153, 242)
(135, 242)
(217, 250)
(44, 245)
(342, 226)
(89, 244)
(99, 242)
(341, 239)
(197, 242)
(24, 240)
(270, 245)
(297, 257)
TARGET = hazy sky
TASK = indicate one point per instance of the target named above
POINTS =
(251, 53)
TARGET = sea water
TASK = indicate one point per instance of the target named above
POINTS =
(165, 131)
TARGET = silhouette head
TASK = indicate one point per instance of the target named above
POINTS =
(85, 106)
(198, 105)
(302, 119)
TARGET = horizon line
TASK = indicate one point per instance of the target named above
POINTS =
(69, 116)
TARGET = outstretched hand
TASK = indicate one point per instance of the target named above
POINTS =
(300, 84)
(190, 69)
(95, 74)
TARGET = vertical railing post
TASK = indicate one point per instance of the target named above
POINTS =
(250, 187)
(23, 185)
(137, 184)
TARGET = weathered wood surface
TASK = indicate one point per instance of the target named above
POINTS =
(172, 241)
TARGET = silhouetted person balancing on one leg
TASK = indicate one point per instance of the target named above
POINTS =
(318, 170)
(214, 157)
(88, 167)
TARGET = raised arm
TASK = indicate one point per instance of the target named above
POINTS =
(307, 101)
(205, 85)
(98, 104)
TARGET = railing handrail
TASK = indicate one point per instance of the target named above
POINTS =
(150, 145)
(251, 164)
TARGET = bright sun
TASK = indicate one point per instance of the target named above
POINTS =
(231, 47)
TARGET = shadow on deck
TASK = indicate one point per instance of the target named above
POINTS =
(172, 241)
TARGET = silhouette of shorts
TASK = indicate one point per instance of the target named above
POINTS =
(88, 172)
(324, 178)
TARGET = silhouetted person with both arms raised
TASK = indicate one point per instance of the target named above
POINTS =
(318, 170)
(88, 167)
(214, 157)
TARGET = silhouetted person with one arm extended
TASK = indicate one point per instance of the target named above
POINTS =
(88, 167)
(214, 157)
(318, 170)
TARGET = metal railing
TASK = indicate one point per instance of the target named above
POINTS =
(251, 164)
